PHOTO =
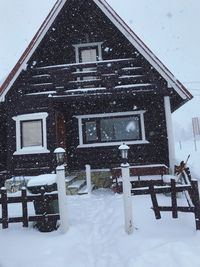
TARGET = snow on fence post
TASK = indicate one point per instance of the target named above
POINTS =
(60, 176)
(127, 198)
(88, 179)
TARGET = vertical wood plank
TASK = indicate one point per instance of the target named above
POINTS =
(4, 205)
(24, 207)
(174, 199)
(196, 202)
(154, 201)
(44, 203)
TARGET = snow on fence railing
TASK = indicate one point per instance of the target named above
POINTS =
(24, 199)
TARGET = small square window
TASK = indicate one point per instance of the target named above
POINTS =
(31, 133)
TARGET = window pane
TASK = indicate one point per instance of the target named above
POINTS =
(88, 55)
(120, 129)
(31, 133)
(91, 131)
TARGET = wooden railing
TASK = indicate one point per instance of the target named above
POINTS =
(24, 199)
(188, 187)
(67, 78)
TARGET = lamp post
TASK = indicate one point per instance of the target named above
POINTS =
(60, 155)
(60, 179)
(126, 189)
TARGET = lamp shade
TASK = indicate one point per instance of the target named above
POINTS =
(60, 155)
(124, 151)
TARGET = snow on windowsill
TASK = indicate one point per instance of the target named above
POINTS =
(113, 144)
(31, 150)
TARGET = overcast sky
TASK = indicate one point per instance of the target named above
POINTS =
(170, 28)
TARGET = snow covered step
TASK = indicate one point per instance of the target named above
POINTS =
(73, 188)
(69, 179)
(84, 190)
(77, 184)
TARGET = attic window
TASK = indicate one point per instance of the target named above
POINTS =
(31, 133)
(88, 52)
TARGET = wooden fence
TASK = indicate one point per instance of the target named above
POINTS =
(24, 199)
(188, 186)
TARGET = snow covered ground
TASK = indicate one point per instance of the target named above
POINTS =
(96, 237)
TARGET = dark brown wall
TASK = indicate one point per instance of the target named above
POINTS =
(156, 152)
(3, 140)
(36, 163)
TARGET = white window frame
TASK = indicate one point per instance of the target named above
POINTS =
(31, 149)
(103, 115)
(78, 46)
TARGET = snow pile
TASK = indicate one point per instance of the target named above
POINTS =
(42, 180)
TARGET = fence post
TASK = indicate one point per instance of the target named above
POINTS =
(24, 207)
(154, 200)
(4, 205)
(60, 172)
(173, 198)
(196, 202)
(127, 198)
(88, 179)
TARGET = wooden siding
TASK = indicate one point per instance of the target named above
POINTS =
(3, 140)
(130, 84)
(155, 152)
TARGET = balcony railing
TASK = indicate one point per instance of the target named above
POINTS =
(81, 77)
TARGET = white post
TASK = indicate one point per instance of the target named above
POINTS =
(127, 198)
(60, 176)
(88, 179)
(170, 134)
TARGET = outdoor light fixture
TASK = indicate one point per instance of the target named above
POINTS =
(60, 155)
(124, 152)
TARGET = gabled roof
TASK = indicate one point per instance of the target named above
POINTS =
(120, 24)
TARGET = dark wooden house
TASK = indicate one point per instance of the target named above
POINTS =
(87, 83)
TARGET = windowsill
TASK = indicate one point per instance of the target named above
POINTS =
(31, 150)
(140, 142)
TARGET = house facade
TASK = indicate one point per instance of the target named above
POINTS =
(88, 84)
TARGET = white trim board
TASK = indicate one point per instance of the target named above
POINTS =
(140, 142)
(101, 115)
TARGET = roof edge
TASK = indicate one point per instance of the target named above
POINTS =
(21, 63)
(144, 50)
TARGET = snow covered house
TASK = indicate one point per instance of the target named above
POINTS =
(86, 83)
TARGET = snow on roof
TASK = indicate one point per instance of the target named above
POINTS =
(123, 27)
